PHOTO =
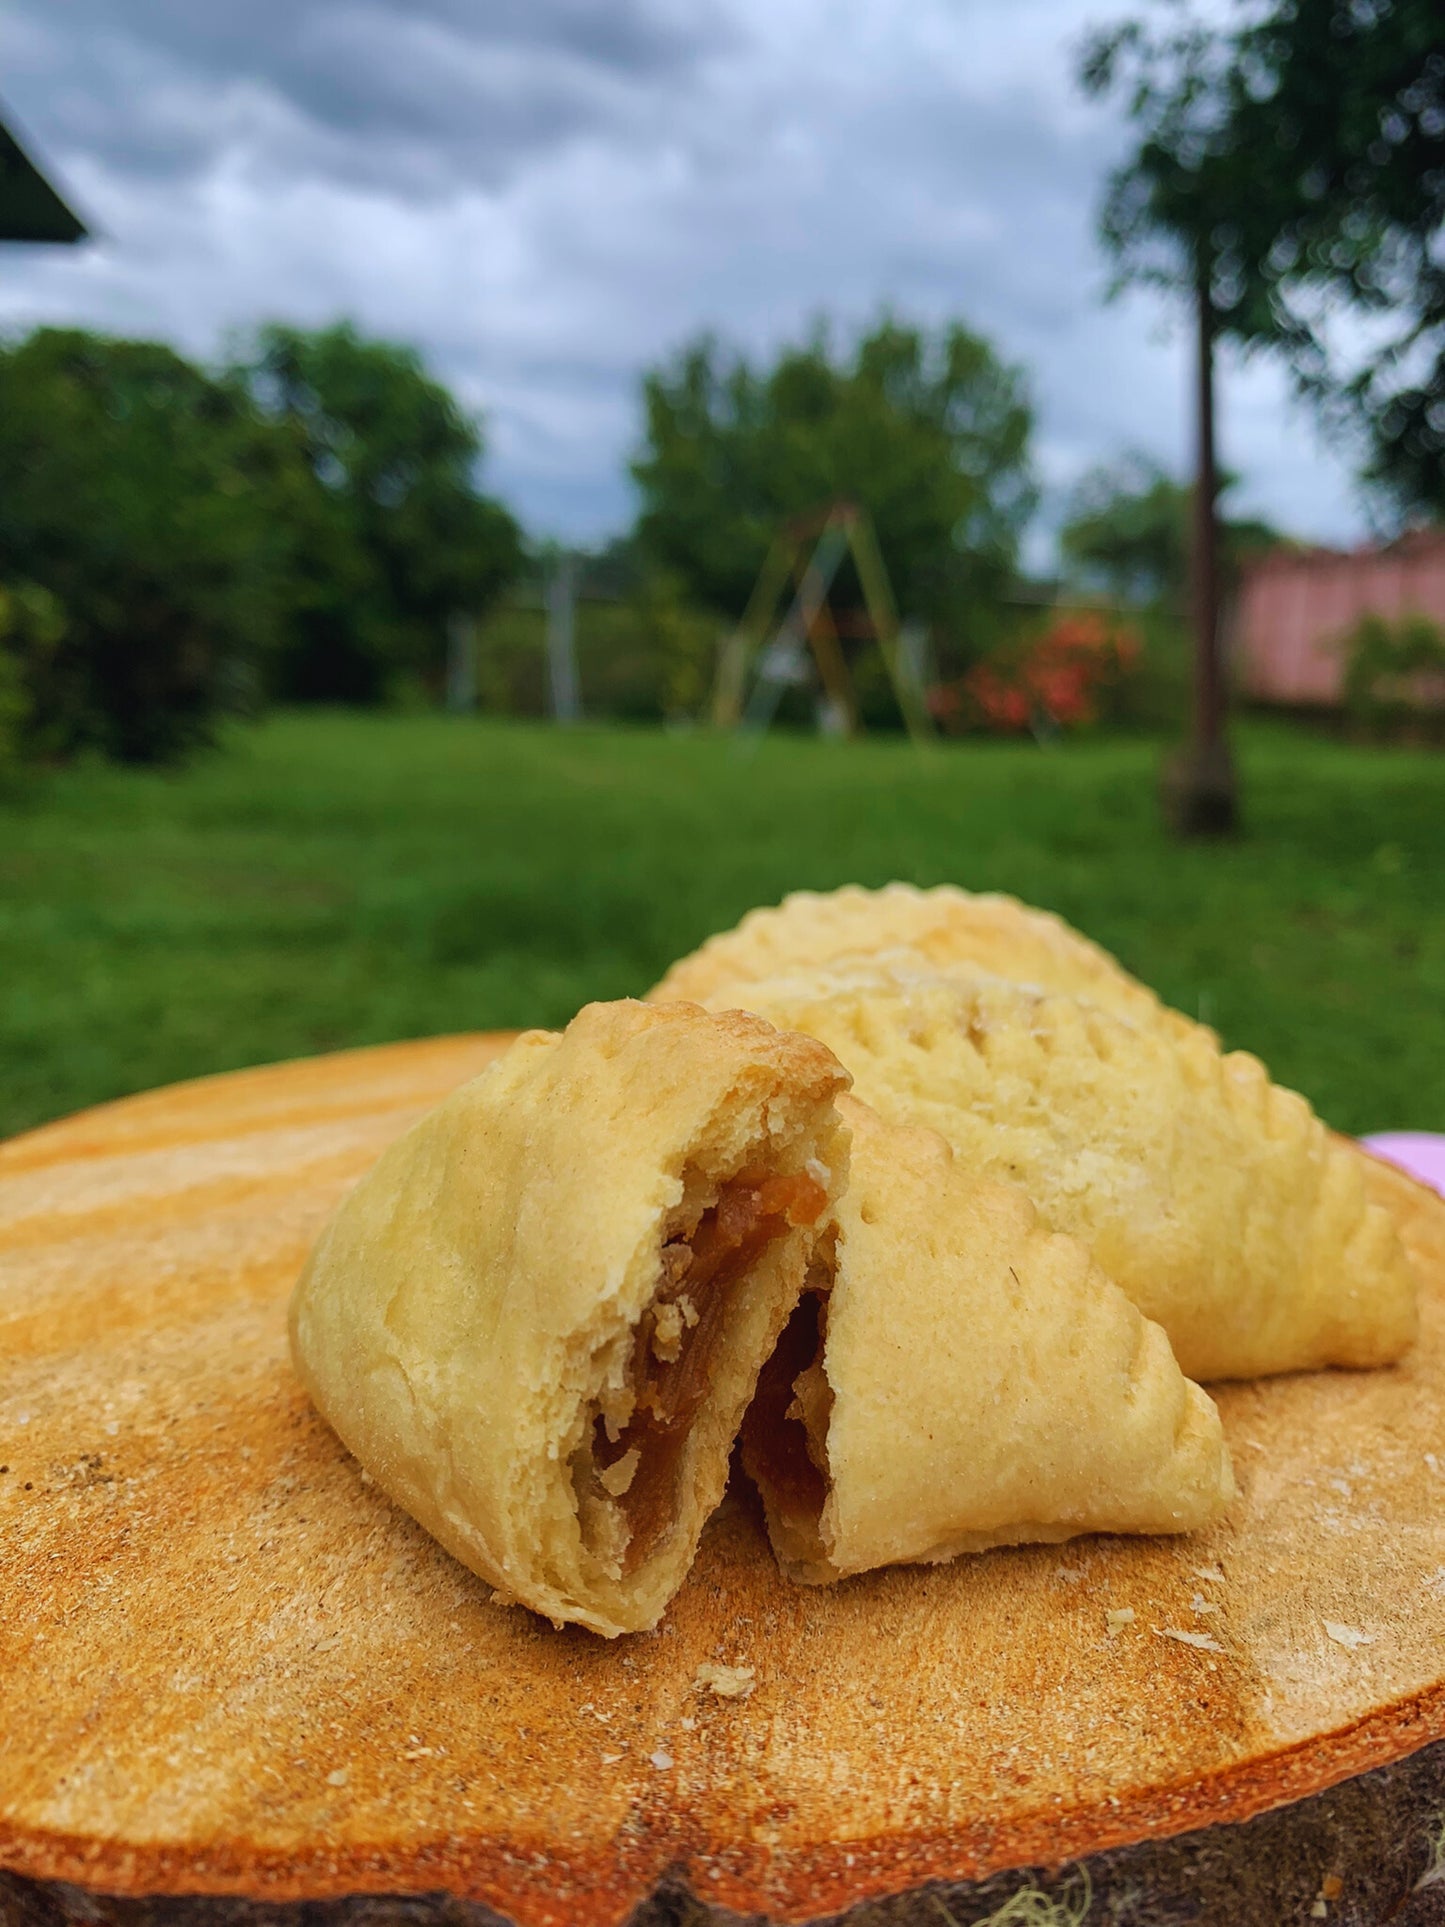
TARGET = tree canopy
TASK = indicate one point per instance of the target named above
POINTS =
(392, 536)
(928, 432)
(1126, 530)
(176, 542)
(134, 496)
(1297, 161)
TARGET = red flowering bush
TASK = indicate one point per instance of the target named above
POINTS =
(1052, 681)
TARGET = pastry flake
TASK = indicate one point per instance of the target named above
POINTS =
(537, 1322)
(940, 932)
(1216, 1200)
(959, 1378)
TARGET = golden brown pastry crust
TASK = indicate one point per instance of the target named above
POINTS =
(497, 1319)
(1215, 1199)
(980, 1383)
(940, 932)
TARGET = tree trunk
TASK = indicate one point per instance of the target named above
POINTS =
(1200, 794)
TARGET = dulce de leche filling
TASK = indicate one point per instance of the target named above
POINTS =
(636, 1442)
(785, 1431)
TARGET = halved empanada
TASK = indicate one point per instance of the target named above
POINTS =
(538, 1321)
(961, 1378)
(937, 930)
(1216, 1200)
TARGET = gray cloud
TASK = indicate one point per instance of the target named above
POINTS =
(549, 198)
(409, 95)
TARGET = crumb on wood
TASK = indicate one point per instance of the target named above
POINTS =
(1201, 1641)
(726, 1682)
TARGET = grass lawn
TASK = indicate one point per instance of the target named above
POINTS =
(333, 879)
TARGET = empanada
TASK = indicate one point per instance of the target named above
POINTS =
(966, 1379)
(1216, 1200)
(937, 930)
(538, 1320)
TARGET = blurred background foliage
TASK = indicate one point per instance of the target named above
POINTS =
(1395, 677)
(307, 522)
(1292, 158)
(180, 544)
(387, 534)
(1126, 534)
(929, 432)
(645, 652)
(139, 545)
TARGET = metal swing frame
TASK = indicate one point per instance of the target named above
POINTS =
(808, 551)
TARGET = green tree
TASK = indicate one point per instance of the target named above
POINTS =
(1165, 218)
(134, 495)
(1284, 169)
(390, 536)
(1351, 94)
(929, 432)
(1126, 531)
(1304, 154)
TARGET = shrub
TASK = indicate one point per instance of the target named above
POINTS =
(644, 652)
(14, 712)
(31, 626)
(1054, 680)
(1395, 673)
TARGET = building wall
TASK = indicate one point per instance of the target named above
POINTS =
(1295, 607)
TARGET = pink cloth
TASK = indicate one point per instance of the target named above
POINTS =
(1421, 1153)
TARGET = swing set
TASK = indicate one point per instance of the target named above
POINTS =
(807, 554)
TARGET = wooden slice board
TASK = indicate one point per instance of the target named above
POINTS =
(229, 1666)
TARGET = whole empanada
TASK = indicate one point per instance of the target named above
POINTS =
(962, 1378)
(1215, 1199)
(937, 930)
(538, 1321)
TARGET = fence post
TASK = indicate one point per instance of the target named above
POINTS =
(562, 639)
(461, 665)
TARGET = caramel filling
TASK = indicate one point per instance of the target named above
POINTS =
(635, 1444)
(785, 1432)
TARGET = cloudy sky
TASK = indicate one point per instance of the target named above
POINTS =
(548, 195)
